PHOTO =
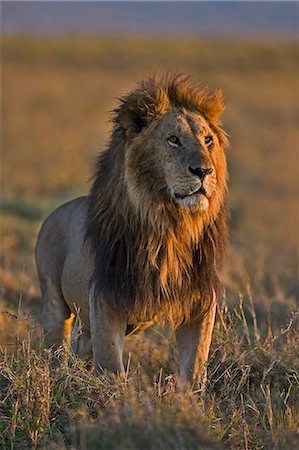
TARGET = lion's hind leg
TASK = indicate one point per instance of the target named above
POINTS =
(57, 318)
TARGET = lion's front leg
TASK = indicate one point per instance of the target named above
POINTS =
(193, 342)
(107, 336)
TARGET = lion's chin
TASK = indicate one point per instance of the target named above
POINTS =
(194, 203)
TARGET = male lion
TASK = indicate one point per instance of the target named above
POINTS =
(145, 246)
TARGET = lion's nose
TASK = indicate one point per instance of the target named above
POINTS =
(200, 172)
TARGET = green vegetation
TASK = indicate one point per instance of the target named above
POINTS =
(57, 94)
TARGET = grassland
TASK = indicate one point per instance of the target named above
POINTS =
(57, 94)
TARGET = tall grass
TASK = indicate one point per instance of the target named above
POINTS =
(250, 402)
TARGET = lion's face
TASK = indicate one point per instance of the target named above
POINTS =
(187, 151)
(174, 149)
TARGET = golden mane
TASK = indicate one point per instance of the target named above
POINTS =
(152, 259)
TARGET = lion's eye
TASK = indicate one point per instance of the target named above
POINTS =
(208, 140)
(173, 141)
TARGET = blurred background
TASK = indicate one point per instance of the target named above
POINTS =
(64, 64)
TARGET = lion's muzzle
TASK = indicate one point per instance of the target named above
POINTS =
(200, 172)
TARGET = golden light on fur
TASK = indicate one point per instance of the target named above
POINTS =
(167, 256)
(147, 243)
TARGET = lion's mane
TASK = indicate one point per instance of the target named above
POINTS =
(152, 259)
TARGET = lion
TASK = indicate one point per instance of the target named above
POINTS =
(146, 245)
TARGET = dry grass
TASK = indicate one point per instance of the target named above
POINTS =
(250, 400)
(56, 94)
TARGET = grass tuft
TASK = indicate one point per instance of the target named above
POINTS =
(250, 400)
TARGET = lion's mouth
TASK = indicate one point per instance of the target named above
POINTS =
(200, 191)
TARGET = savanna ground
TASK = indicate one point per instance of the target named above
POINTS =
(56, 98)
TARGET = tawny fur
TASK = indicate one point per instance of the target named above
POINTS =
(147, 244)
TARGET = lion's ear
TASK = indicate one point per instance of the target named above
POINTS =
(132, 115)
(212, 105)
(139, 109)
